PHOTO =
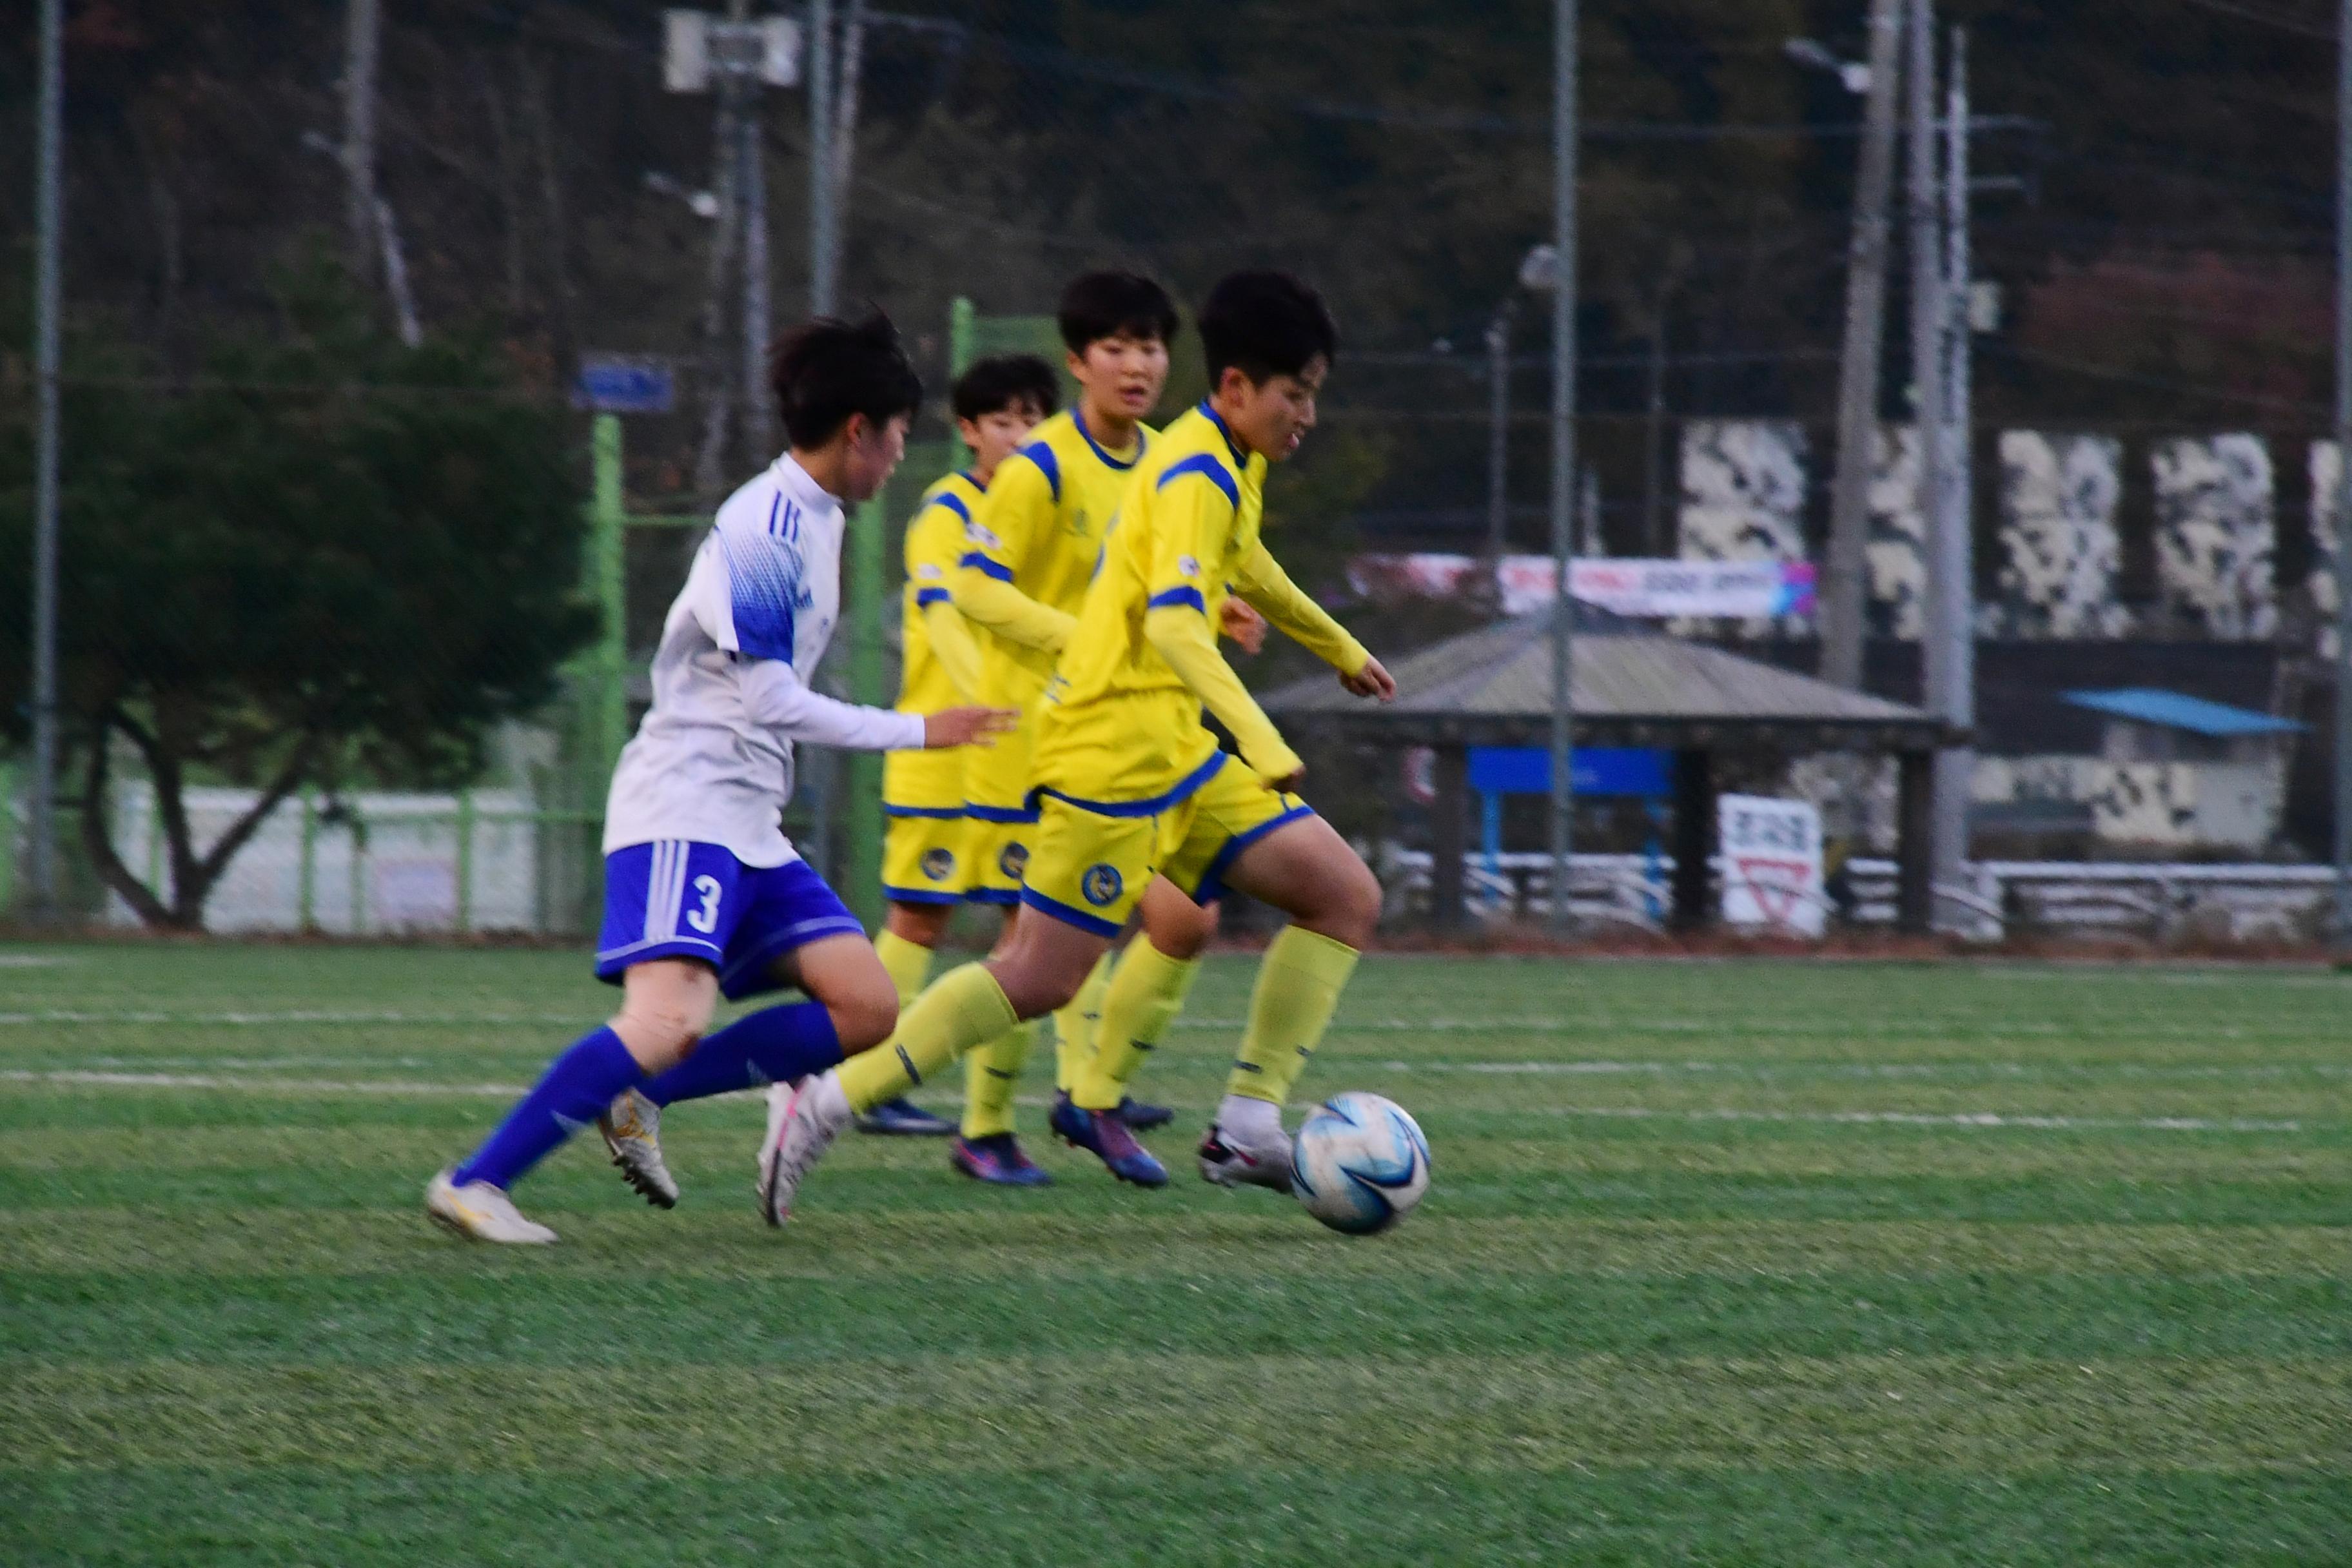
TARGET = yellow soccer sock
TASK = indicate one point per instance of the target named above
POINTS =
(1298, 985)
(990, 1073)
(1075, 1025)
(961, 1008)
(1147, 990)
(908, 964)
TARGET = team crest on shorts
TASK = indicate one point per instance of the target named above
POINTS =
(937, 863)
(1101, 884)
(1013, 859)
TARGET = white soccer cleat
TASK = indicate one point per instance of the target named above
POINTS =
(482, 1212)
(1231, 1159)
(803, 1118)
(631, 1129)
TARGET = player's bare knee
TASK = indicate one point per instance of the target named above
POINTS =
(1034, 989)
(658, 1031)
(1351, 910)
(864, 1017)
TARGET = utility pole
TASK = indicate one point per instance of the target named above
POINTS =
(48, 223)
(1563, 458)
(363, 29)
(758, 423)
(2344, 480)
(1953, 575)
(1498, 436)
(824, 248)
(1941, 632)
(1866, 298)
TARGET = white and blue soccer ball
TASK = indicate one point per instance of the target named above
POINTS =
(1360, 1162)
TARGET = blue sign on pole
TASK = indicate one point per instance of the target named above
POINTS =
(1642, 771)
(612, 384)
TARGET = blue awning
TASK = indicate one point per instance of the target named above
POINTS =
(2179, 711)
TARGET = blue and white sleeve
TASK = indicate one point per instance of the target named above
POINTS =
(765, 593)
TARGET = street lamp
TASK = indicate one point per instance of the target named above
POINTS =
(1812, 53)
(1539, 273)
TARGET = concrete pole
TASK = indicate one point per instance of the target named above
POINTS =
(48, 288)
(824, 248)
(1498, 437)
(1942, 629)
(1955, 571)
(1563, 456)
(2344, 480)
(1866, 299)
(758, 423)
(363, 29)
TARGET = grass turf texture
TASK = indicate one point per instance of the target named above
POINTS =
(1725, 1263)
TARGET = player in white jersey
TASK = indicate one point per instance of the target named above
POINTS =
(703, 894)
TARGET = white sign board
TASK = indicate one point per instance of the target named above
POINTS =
(1647, 589)
(1771, 864)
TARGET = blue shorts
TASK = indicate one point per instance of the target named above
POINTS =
(673, 899)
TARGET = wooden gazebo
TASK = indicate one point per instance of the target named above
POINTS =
(1632, 687)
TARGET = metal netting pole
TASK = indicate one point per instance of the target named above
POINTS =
(49, 201)
(1563, 458)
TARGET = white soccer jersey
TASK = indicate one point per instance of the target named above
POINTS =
(713, 761)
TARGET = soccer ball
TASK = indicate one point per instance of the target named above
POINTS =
(1359, 1163)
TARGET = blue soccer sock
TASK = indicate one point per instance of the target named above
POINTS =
(775, 1045)
(572, 1093)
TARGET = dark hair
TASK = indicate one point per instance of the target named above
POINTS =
(997, 383)
(1099, 305)
(1264, 324)
(823, 371)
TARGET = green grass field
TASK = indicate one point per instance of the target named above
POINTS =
(1725, 1263)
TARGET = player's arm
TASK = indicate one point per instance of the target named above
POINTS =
(1193, 512)
(1019, 503)
(934, 540)
(775, 696)
(742, 592)
(1268, 590)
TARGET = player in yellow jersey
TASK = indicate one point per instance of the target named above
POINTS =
(1133, 784)
(926, 859)
(1032, 548)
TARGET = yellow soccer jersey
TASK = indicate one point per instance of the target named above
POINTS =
(1120, 726)
(1040, 528)
(932, 782)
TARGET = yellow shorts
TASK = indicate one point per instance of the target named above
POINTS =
(997, 853)
(923, 857)
(1089, 865)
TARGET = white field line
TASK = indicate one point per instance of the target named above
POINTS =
(1992, 1119)
(1582, 1025)
(32, 960)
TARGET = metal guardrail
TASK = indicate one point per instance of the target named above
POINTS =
(2242, 902)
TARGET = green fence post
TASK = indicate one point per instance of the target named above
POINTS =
(465, 862)
(963, 329)
(868, 536)
(358, 872)
(608, 523)
(306, 892)
(7, 839)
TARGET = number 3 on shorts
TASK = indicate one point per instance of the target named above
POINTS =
(706, 919)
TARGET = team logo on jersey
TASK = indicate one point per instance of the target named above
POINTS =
(1188, 565)
(937, 863)
(929, 573)
(1013, 860)
(1101, 884)
(980, 534)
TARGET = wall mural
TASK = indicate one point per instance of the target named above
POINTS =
(1743, 483)
(2060, 551)
(2214, 536)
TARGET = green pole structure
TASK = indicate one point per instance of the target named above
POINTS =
(606, 524)
(465, 862)
(964, 331)
(868, 536)
(7, 838)
(306, 893)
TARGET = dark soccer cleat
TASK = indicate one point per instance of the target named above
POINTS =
(997, 1159)
(902, 1118)
(1142, 1118)
(1102, 1134)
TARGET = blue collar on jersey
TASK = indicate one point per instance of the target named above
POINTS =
(1231, 445)
(1079, 419)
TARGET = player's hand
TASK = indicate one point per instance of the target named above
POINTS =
(967, 726)
(1373, 681)
(1241, 624)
